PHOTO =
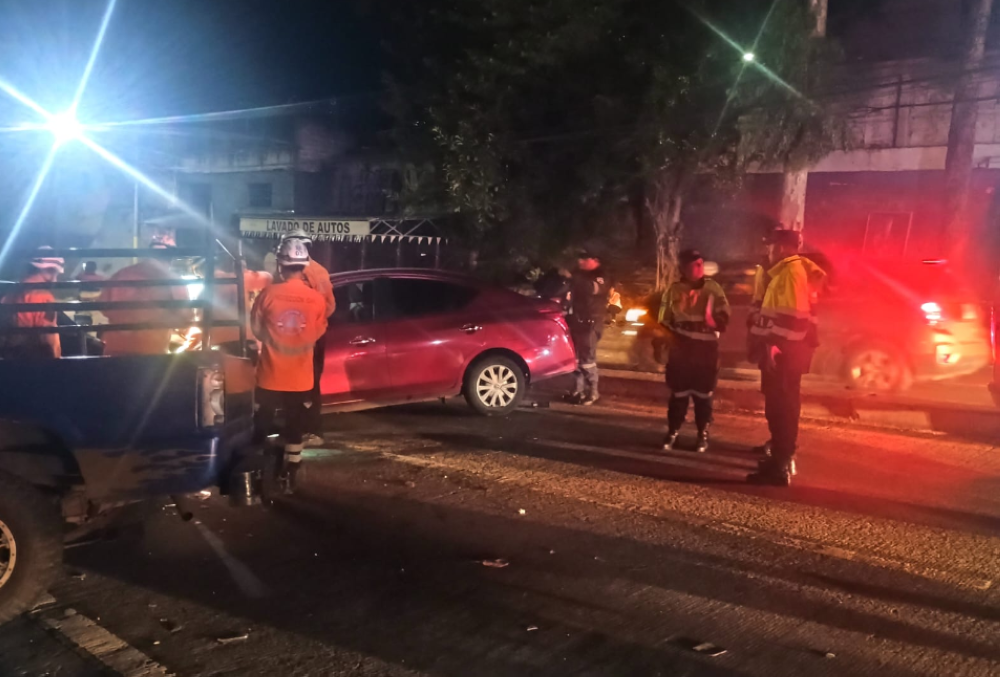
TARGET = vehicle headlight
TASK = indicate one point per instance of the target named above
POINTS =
(212, 397)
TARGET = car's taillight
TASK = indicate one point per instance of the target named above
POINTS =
(212, 397)
(932, 312)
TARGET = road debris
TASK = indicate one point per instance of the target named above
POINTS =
(522, 511)
(232, 639)
(495, 563)
(532, 628)
(699, 646)
(171, 626)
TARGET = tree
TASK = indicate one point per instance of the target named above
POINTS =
(541, 113)
(962, 133)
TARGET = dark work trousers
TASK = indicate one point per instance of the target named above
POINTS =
(292, 404)
(314, 411)
(586, 334)
(781, 384)
(692, 373)
(677, 408)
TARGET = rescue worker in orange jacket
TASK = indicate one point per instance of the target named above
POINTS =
(318, 278)
(44, 268)
(225, 304)
(145, 341)
(787, 329)
(288, 318)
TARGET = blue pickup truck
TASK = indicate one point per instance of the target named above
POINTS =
(83, 436)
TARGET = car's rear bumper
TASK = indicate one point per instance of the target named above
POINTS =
(930, 367)
(551, 361)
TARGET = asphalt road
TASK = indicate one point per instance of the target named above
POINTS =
(427, 541)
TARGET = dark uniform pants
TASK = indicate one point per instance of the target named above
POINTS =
(692, 373)
(268, 402)
(314, 409)
(782, 388)
(586, 334)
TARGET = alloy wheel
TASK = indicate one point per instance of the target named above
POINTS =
(496, 386)
(875, 369)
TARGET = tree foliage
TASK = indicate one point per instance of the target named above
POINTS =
(543, 115)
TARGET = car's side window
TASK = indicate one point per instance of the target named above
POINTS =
(415, 297)
(355, 301)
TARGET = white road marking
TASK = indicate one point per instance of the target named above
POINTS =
(244, 578)
(109, 649)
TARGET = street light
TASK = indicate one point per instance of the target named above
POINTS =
(749, 57)
(64, 127)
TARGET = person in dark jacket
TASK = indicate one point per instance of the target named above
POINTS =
(588, 307)
(554, 286)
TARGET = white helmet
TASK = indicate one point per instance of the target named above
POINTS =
(292, 252)
(45, 262)
(298, 234)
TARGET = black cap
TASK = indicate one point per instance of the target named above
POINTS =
(689, 256)
(780, 236)
(587, 254)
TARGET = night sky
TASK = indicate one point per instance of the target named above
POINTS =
(166, 57)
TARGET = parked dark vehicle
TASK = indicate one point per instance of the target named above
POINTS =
(83, 436)
(411, 335)
(882, 325)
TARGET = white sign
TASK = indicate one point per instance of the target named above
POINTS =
(318, 228)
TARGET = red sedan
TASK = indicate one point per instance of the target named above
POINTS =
(403, 335)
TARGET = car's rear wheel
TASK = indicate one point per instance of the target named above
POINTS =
(494, 386)
(877, 368)
(30, 546)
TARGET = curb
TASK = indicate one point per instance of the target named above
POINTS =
(831, 406)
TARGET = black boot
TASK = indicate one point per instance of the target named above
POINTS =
(763, 449)
(702, 445)
(670, 440)
(792, 470)
(771, 473)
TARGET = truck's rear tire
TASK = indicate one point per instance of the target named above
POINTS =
(31, 547)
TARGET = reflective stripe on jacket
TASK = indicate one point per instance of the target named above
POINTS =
(686, 307)
(786, 313)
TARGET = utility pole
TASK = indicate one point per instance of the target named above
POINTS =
(962, 134)
(794, 181)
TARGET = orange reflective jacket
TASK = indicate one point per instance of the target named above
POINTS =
(36, 319)
(148, 341)
(226, 308)
(318, 278)
(288, 318)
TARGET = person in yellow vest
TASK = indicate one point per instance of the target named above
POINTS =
(787, 329)
(695, 311)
